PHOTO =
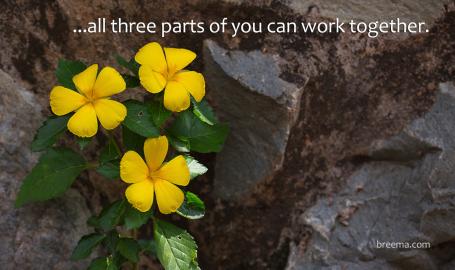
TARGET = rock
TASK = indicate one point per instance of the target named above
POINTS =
(260, 109)
(359, 90)
(42, 235)
(404, 193)
(407, 10)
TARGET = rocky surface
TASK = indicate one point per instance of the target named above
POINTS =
(402, 193)
(361, 10)
(260, 109)
(407, 10)
(42, 235)
(358, 95)
(354, 93)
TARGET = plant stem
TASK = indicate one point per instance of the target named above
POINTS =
(92, 165)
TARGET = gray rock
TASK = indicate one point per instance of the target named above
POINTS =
(404, 193)
(260, 109)
(406, 10)
(449, 266)
(42, 235)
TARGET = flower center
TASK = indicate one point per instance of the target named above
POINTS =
(90, 97)
(152, 177)
(170, 72)
(169, 76)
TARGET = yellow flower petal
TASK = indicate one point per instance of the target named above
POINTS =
(193, 81)
(108, 83)
(140, 195)
(83, 123)
(177, 59)
(133, 168)
(155, 150)
(152, 81)
(152, 55)
(85, 80)
(175, 171)
(176, 97)
(168, 196)
(110, 112)
(64, 100)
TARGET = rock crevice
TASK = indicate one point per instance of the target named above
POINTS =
(395, 203)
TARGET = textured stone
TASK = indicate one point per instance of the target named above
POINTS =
(372, 10)
(358, 90)
(404, 193)
(408, 10)
(260, 109)
(36, 236)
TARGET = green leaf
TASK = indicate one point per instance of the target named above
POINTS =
(110, 216)
(52, 176)
(110, 151)
(159, 113)
(131, 81)
(201, 137)
(175, 247)
(83, 142)
(98, 264)
(139, 119)
(109, 164)
(204, 112)
(195, 167)
(179, 145)
(92, 221)
(112, 266)
(194, 266)
(49, 132)
(135, 218)
(133, 141)
(131, 65)
(122, 61)
(86, 245)
(192, 207)
(129, 248)
(148, 246)
(110, 170)
(103, 263)
(66, 70)
(111, 241)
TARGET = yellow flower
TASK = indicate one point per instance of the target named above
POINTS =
(92, 102)
(154, 177)
(164, 69)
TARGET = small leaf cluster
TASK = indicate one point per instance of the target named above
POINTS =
(116, 231)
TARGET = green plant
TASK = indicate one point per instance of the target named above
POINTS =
(179, 118)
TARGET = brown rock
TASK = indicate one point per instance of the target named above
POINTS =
(259, 107)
